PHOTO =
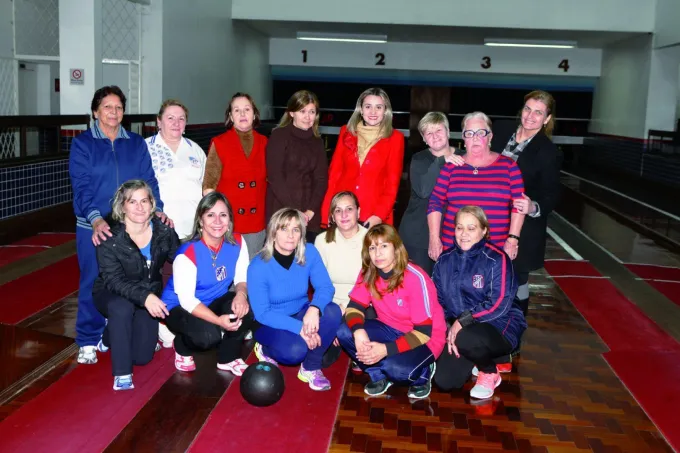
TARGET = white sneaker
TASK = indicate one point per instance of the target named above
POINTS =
(87, 355)
(165, 336)
(485, 386)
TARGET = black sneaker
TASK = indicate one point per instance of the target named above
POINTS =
(377, 388)
(422, 391)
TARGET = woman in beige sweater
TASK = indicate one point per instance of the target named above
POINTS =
(340, 245)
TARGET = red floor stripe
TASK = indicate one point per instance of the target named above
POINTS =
(669, 289)
(9, 255)
(301, 422)
(655, 272)
(48, 239)
(652, 378)
(570, 268)
(644, 357)
(81, 412)
(31, 293)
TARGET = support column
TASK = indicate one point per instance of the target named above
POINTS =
(152, 57)
(80, 47)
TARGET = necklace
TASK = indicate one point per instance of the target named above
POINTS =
(214, 254)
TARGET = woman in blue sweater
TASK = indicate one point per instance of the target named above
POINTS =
(101, 159)
(292, 329)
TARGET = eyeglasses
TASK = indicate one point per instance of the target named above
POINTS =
(479, 133)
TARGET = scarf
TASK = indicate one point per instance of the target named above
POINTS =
(367, 137)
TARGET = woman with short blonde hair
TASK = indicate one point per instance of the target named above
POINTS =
(292, 328)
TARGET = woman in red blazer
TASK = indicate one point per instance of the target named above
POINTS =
(236, 167)
(368, 160)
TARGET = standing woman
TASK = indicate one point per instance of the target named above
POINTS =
(179, 164)
(425, 168)
(130, 282)
(368, 159)
(488, 180)
(538, 158)
(297, 167)
(236, 167)
(101, 159)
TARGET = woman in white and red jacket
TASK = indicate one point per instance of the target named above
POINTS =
(476, 287)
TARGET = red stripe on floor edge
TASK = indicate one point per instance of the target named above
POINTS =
(31, 293)
(49, 239)
(9, 255)
(652, 378)
(669, 289)
(571, 268)
(655, 272)
(81, 412)
(301, 422)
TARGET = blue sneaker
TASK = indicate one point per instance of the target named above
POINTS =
(123, 382)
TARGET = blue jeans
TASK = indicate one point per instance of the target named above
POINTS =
(89, 322)
(289, 348)
(410, 367)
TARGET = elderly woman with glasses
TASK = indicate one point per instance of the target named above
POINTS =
(488, 180)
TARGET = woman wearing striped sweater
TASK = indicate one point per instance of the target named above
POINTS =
(402, 344)
(488, 180)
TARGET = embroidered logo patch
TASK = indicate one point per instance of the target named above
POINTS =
(400, 302)
(221, 273)
(478, 281)
(194, 162)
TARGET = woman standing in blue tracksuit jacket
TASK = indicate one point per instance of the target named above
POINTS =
(476, 286)
(101, 159)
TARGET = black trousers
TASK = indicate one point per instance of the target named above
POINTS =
(478, 344)
(195, 334)
(131, 332)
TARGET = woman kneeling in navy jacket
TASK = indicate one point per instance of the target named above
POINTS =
(476, 287)
(129, 283)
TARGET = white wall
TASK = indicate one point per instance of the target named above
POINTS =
(152, 57)
(605, 15)
(620, 100)
(435, 57)
(206, 59)
(667, 28)
(663, 89)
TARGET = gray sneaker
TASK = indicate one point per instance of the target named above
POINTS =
(419, 392)
(87, 355)
(377, 388)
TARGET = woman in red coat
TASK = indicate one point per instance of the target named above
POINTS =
(368, 160)
(236, 167)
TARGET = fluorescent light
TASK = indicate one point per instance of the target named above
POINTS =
(341, 37)
(529, 43)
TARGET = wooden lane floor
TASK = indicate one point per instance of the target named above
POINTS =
(561, 397)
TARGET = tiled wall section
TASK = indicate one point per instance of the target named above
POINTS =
(30, 187)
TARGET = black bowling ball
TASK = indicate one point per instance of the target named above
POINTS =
(262, 384)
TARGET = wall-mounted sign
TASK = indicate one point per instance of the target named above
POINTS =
(77, 76)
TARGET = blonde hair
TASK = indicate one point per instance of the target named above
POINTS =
(172, 103)
(356, 118)
(280, 219)
(297, 102)
(476, 116)
(369, 273)
(124, 194)
(549, 101)
(477, 213)
(432, 119)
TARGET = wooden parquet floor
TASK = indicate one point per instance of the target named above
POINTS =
(561, 397)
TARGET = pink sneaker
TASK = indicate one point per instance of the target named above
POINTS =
(184, 363)
(259, 353)
(236, 367)
(315, 379)
(486, 384)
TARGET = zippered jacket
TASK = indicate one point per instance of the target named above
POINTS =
(98, 167)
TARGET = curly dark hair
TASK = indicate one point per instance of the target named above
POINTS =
(102, 93)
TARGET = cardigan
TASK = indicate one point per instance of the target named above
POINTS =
(375, 182)
(540, 163)
(243, 179)
(297, 172)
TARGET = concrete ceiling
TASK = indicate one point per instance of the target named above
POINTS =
(432, 34)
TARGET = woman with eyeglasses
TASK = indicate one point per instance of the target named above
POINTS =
(488, 180)
(528, 143)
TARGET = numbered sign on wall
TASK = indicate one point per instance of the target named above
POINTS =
(436, 57)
